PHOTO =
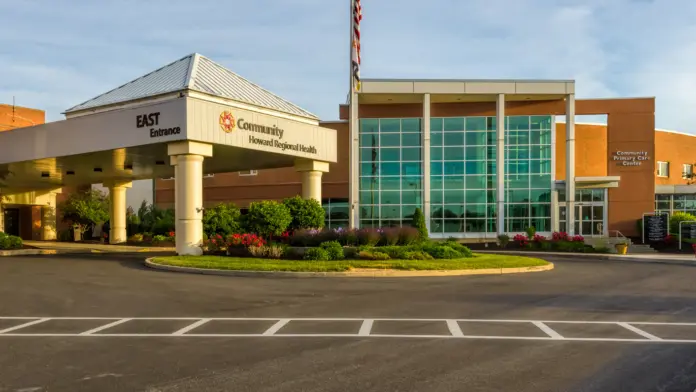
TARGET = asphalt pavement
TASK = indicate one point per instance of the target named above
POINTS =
(98, 322)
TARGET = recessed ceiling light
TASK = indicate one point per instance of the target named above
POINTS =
(70, 173)
(98, 169)
(159, 163)
(45, 174)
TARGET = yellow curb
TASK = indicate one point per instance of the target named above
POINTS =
(349, 274)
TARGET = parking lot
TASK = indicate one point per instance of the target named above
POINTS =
(104, 322)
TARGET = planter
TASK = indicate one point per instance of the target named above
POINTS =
(77, 235)
(621, 249)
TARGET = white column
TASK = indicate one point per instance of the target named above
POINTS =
(48, 219)
(2, 218)
(500, 162)
(117, 210)
(188, 156)
(354, 166)
(426, 160)
(555, 212)
(311, 173)
(570, 163)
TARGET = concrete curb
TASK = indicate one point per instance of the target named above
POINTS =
(40, 252)
(349, 274)
(595, 256)
(37, 252)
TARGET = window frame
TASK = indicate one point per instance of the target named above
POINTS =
(690, 173)
(659, 164)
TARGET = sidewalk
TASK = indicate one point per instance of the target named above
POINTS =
(73, 246)
(663, 258)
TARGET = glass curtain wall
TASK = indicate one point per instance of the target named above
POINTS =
(336, 213)
(675, 203)
(462, 173)
(391, 178)
(528, 173)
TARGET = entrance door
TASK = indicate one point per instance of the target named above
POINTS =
(11, 216)
(589, 219)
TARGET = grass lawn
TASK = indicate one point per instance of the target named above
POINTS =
(480, 261)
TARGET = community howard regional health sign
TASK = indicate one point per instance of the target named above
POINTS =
(261, 134)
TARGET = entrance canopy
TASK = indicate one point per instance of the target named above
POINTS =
(124, 134)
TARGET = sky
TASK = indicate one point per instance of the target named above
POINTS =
(58, 53)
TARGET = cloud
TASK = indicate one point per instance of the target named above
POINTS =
(56, 55)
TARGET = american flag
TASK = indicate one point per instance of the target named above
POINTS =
(355, 58)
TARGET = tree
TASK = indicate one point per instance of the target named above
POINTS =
(268, 218)
(306, 214)
(419, 223)
(221, 219)
(86, 209)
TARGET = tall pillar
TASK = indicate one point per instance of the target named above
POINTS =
(311, 172)
(354, 166)
(426, 160)
(188, 156)
(2, 217)
(117, 210)
(500, 162)
(48, 219)
(570, 163)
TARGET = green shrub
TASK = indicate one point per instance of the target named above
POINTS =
(419, 224)
(367, 255)
(545, 245)
(442, 251)
(135, 238)
(306, 214)
(395, 252)
(334, 250)
(568, 246)
(10, 242)
(159, 238)
(317, 254)
(676, 218)
(85, 210)
(531, 231)
(503, 240)
(221, 219)
(417, 255)
(464, 250)
(267, 218)
(163, 225)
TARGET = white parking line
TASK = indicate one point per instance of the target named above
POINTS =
(547, 330)
(20, 326)
(639, 331)
(276, 327)
(191, 327)
(456, 331)
(454, 328)
(103, 327)
(366, 327)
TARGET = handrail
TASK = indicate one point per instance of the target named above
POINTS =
(618, 234)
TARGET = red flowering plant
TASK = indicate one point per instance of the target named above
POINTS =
(538, 238)
(244, 241)
(521, 240)
(693, 247)
(559, 236)
(171, 236)
(214, 244)
(576, 238)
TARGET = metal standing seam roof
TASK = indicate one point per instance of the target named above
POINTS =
(197, 73)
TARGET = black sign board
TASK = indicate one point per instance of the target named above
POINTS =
(655, 227)
(688, 230)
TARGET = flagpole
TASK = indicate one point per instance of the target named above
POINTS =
(354, 219)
